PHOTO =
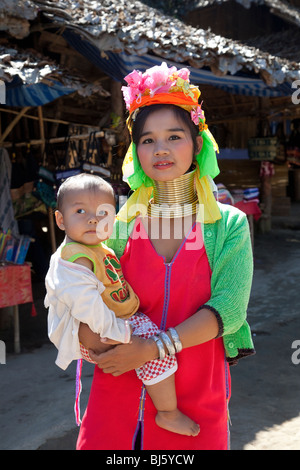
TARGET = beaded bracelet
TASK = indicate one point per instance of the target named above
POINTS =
(176, 340)
(168, 343)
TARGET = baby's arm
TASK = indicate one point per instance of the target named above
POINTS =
(94, 338)
(91, 340)
(82, 294)
(83, 261)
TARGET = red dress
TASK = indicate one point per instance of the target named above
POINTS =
(169, 293)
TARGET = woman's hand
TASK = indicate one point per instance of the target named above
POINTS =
(126, 357)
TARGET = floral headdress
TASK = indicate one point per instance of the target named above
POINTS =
(156, 84)
(167, 85)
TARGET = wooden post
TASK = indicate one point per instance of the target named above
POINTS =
(50, 211)
(266, 200)
(116, 98)
(17, 345)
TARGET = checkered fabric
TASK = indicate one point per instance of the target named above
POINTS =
(144, 327)
(85, 354)
(150, 372)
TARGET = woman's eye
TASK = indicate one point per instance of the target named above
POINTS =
(80, 211)
(174, 137)
(147, 141)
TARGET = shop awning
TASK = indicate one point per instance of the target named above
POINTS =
(34, 80)
(118, 65)
(38, 94)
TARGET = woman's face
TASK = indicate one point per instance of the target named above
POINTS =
(165, 148)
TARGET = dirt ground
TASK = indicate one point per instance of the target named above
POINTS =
(36, 398)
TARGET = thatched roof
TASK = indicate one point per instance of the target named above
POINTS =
(133, 27)
(30, 68)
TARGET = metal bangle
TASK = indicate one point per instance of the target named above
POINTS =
(176, 340)
(168, 343)
(160, 346)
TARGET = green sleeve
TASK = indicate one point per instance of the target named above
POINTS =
(229, 250)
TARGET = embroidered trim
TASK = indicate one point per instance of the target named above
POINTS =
(218, 317)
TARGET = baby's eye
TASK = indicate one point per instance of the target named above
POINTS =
(80, 211)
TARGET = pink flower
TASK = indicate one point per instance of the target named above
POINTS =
(184, 74)
(158, 79)
(127, 96)
(196, 115)
(134, 78)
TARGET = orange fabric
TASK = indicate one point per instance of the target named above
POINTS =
(176, 98)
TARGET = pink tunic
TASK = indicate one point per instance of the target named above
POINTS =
(169, 293)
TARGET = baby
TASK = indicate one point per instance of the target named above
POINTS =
(85, 284)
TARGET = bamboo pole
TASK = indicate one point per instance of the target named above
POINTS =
(29, 116)
(54, 140)
(13, 123)
(50, 212)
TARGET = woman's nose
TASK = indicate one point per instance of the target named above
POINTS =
(161, 149)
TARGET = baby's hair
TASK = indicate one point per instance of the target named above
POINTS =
(83, 181)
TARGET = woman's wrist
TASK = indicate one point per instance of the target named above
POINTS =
(152, 349)
(167, 343)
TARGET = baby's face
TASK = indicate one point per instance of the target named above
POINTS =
(87, 216)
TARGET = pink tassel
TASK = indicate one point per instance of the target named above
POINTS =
(78, 392)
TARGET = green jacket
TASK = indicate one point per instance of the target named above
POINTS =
(228, 247)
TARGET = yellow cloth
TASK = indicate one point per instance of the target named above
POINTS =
(208, 212)
(118, 295)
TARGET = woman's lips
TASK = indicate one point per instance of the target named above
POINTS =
(163, 165)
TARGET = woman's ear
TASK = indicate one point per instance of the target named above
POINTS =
(199, 141)
(59, 220)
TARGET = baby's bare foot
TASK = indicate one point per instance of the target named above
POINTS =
(175, 421)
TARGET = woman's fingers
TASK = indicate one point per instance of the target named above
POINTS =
(101, 358)
(125, 357)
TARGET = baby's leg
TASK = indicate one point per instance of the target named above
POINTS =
(163, 395)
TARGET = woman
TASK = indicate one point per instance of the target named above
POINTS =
(188, 259)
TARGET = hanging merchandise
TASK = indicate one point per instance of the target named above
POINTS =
(13, 249)
(71, 165)
(95, 158)
(45, 188)
(293, 146)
